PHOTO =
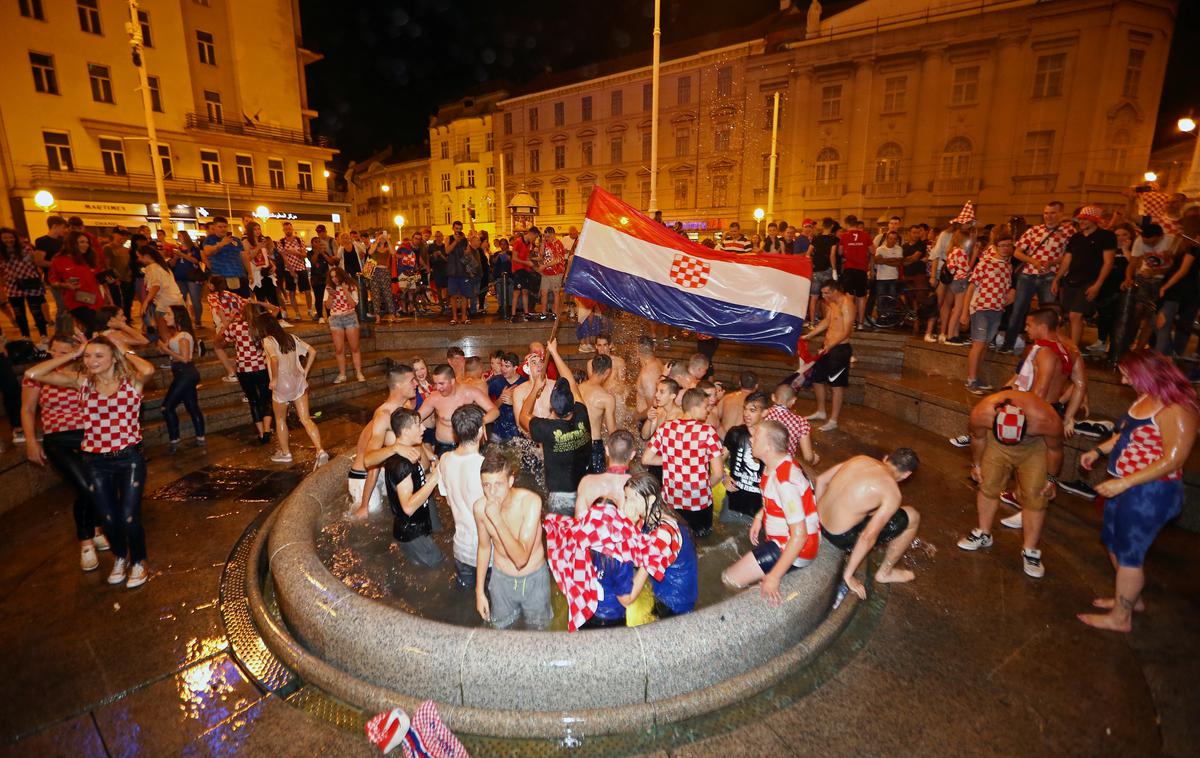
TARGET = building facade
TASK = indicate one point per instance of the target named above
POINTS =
(230, 107)
(462, 163)
(380, 189)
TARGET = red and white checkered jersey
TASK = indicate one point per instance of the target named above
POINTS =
(788, 499)
(250, 356)
(569, 543)
(660, 549)
(338, 301)
(1044, 258)
(226, 306)
(1145, 446)
(61, 408)
(292, 250)
(554, 258)
(797, 426)
(959, 263)
(686, 446)
(113, 422)
(21, 266)
(992, 278)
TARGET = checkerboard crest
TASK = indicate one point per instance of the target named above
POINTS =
(689, 272)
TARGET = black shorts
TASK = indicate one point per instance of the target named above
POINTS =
(700, 521)
(523, 279)
(745, 503)
(833, 368)
(847, 539)
(1072, 298)
(296, 281)
(767, 554)
(599, 460)
(854, 282)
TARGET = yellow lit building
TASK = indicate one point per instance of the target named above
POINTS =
(462, 166)
(228, 89)
(381, 188)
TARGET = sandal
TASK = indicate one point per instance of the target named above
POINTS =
(468, 321)
(453, 322)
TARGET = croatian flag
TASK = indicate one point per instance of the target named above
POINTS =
(627, 261)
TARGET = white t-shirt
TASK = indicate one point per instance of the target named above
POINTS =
(168, 291)
(1141, 249)
(459, 483)
(888, 273)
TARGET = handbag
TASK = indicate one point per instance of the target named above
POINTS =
(368, 269)
(87, 298)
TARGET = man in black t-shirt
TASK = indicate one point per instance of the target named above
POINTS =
(824, 252)
(1085, 265)
(46, 247)
(743, 497)
(565, 437)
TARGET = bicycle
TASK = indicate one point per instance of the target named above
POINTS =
(908, 308)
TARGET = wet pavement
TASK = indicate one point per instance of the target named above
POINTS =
(972, 658)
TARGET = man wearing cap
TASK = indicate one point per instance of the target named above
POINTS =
(1038, 251)
(1085, 265)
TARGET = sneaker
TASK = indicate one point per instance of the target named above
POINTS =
(1096, 347)
(321, 320)
(962, 440)
(818, 416)
(1008, 497)
(200, 442)
(941, 339)
(137, 576)
(975, 540)
(18, 436)
(828, 426)
(1019, 344)
(286, 324)
(1032, 562)
(340, 378)
(1004, 350)
(1078, 488)
(100, 542)
(958, 341)
(976, 387)
(173, 446)
(931, 338)
(229, 378)
(281, 457)
(1094, 429)
(586, 348)
(360, 377)
(322, 458)
(118, 572)
(1013, 522)
(87, 558)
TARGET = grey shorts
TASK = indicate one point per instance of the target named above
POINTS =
(984, 325)
(422, 551)
(344, 321)
(550, 284)
(561, 502)
(514, 596)
(819, 280)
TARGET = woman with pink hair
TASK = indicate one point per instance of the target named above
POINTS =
(1146, 456)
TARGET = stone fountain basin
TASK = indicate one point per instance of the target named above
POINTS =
(525, 683)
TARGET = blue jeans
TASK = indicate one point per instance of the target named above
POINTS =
(193, 293)
(1027, 286)
(117, 483)
(185, 379)
(1172, 337)
(504, 294)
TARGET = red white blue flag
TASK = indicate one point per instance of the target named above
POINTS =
(627, 261)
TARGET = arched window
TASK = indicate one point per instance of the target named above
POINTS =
(827, 166)
(887, 163)
(1119, 150)
(956, 158)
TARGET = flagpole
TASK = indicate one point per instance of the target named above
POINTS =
(654, 110)
(774, 158)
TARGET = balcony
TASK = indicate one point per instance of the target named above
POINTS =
(201, 122)
(466, 157)
(885, 189)
(959, 185)
(760, 193)
(42, 175)
(824, 190)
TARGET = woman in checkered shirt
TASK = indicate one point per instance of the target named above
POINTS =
(110, 386)
(22, 283)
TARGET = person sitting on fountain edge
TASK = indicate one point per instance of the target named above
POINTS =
(566, 437)
(691, 457)
(677, 587)
(509, 522)
(788, 518)
(409, 488)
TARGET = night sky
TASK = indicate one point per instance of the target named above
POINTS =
(388, 65)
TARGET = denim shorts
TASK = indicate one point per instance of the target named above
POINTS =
(984, 325)
(959, 286)
(819, 280)
(344, 321)
(459, 286)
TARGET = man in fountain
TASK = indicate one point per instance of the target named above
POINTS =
(500, 390)
(565, 437)
(365, 484)
(509, 522)
(456, 359)
(541, 396)
(448, 397)
(859, 505)
(733, 402)
(799, 431)
(691, 456)
(458, 482)
(743, 482)
(473, 376)
(650, 371)
(616, 379)
(832, 368)
(788, 518)
(620, 447)
(409, 488)
(601, 406)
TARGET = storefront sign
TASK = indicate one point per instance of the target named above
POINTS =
(92, 207)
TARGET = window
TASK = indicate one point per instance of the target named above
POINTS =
(275, 173)
(446, 215)
(725, 83)
(101, 83)
(44, 78)
(204, 45)
(560, 201)
(827, 166)
(956, 159)
(533, 119)
(112, 155)
(766, 171)
(489, 142)
(491, 178)
(445, 148)
(1118, 151)
(58, 151)
(769, 111)
(212, 106)
(683, 90)
(831, 101)
(164, 159)
(32, 9)
(245, 170)
(720, 189)
(585, 195)
(427, 214)
(586, 151)
(1133, 73)
(722, 136)
(618, 102)
(89, 15)
(894, 90)
(644, 191)
(470, 177)
(508, 163)
(887, 163)
(445, 181)
(304, 177)
(467, 146)
(646, 146)
(210, 166)
(508, 123)
(966, 85)
(647, 97)
(535, 160)
(683, 141)
(144, 22)
(537, 198)
(426, 188)
(155, 94)
(560, 157)
(587, 107)
(560, 114)
(1048, 79)
(616, 146)
(681, 193)
(1035, 157)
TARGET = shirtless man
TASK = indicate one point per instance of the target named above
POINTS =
(665, 407)
(447, 397)
(364, 483)
(510, 539)
(457, 360)
(474, 373)
(732, 405)
(1014, 432)
(832, 368)
(601, 407)
(616, 380)
(859, 505)
(649, 373)
(621, 447)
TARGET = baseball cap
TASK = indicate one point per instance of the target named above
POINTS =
(1090, 213)
(320, 227)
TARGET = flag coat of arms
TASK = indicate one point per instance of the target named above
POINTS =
(627, 261)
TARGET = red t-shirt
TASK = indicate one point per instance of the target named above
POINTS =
(64, 269)
(520, 259)
(855, 249)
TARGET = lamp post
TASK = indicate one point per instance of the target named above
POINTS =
(774, 155)
(759, 214)
(1191, 185)
(44, 200)
(1150, 176)
(134, 27)
(398, 220)
(654, 110)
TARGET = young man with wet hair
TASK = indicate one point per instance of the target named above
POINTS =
(411, 480)
(458, 482)
(650, 371)
(743, 493)
(500, 390)
(616, 380)
(449, 396)
(364, 483)
(565, 437)
(620, 448)
(601, 406)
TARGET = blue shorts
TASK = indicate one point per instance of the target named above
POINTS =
(984, 325)
(459, 285)
(767, 554)
(959, 286)
(344, 321)
(1133, 519)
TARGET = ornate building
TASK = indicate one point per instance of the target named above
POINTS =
(385, 186)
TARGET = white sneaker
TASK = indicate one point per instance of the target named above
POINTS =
(118, 572)
(930, 338)
(1031, 561)
(230, 379)
(360, 377)
(962, 440)
(137, 576)
(828, 426)
(818, 416)
(100, 542)
(322, 458)
(340, 378)
(975, 540)
(286, 324)
(281, 457)
(1013, 522)
(87, 558)
(321, 320)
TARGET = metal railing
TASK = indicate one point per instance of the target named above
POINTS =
(885, 189)
(202, 122)
(42, 175)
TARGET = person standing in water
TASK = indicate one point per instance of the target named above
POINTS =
(676, 584)
(288, 384)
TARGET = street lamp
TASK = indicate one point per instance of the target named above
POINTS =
(262, 213)
(386, 188)
(44, 200)
(1186, 124)
(398, 220)
(326, 173)
(1150, 176)
(759, 214)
